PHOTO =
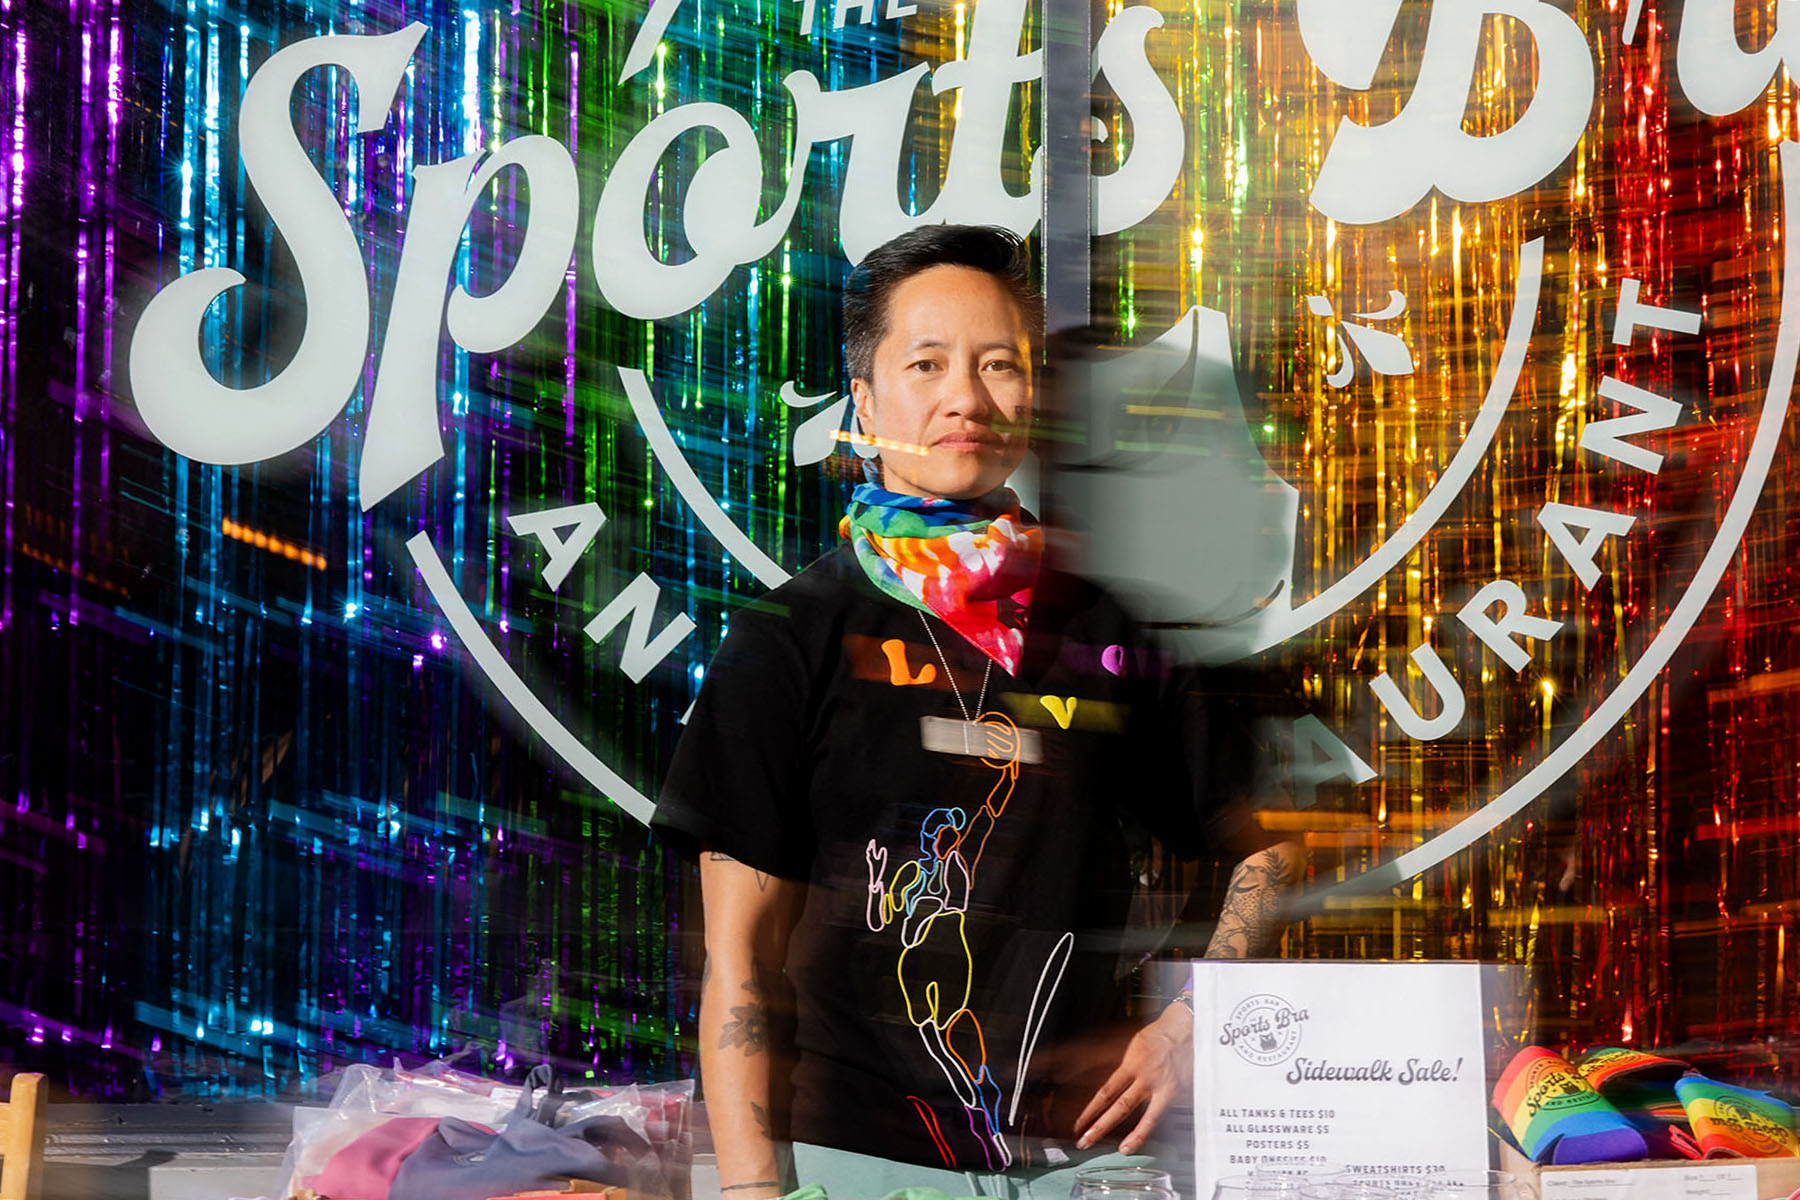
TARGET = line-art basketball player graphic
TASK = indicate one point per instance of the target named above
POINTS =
(928, 897)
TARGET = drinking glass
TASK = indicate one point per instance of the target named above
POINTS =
(1475, 1185)
(1358, 1186)
(1262, 1185)
(1123, 1183)
(1323, 1186)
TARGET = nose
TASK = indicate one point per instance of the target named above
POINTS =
(969, 397)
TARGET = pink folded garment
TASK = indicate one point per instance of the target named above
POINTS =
(365, 1169)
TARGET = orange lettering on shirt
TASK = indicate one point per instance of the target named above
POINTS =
(900, 671)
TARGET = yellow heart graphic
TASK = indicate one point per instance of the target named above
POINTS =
(1062, 709)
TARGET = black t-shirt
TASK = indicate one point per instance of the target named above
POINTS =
(941, 948)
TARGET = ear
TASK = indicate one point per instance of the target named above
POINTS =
(862, 396)
(862, 426)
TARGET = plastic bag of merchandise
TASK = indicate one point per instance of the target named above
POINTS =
(368, 1098)
(644, 1128)
(378, 1121)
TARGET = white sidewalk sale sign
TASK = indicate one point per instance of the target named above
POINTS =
(1326, 1066)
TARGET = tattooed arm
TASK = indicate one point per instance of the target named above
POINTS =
(1253, 916)
(1158, 1066)
(748, 916)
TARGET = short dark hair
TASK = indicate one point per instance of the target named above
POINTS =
(999, 252)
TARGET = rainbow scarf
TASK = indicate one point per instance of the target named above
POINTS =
(971, 562)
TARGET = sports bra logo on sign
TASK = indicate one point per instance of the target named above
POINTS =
(1421, 175)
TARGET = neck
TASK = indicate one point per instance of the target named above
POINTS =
(999, 498)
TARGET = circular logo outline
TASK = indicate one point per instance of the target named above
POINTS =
(1258, 1044)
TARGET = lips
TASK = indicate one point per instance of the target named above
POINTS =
(969, 441)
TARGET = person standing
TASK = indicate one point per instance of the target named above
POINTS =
(909, 776)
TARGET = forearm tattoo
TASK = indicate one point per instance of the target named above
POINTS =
(1250, 921)
(749, 1023)
(762, 1119)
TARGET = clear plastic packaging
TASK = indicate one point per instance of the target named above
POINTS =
(644, 1129)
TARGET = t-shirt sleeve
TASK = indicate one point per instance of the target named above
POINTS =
(738, 782)
(1228, 720)
(1209, 770)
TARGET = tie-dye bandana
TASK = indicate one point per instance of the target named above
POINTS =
(971, 562)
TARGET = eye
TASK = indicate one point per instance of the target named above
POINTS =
(923, 364)
(1004, 365)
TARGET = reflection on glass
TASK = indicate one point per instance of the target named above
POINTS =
(1263, 1185)
(1121, 1183)
(1359, 1186)
(1476, 1185)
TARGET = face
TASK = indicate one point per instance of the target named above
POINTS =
(951, 397)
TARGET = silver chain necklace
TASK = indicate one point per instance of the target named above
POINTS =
(980, 700)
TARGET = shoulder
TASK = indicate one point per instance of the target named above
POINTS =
(834, 582)
(1064, 598)
(831, 580)
(799, 615)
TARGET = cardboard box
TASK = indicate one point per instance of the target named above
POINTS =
(1711, 1179)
